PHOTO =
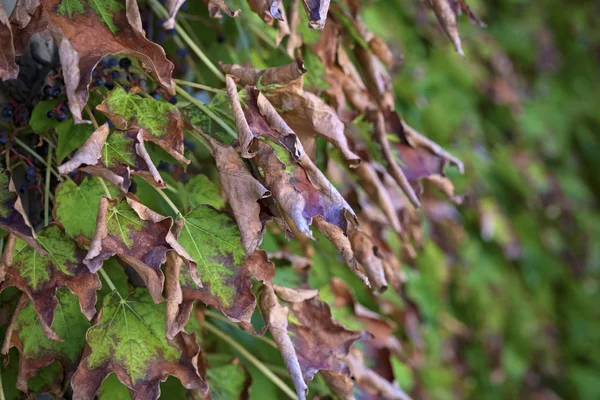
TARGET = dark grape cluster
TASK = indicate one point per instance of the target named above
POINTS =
(15, 114)
(59, 112)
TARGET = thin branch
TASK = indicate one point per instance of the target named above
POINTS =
(91, 115)
(162, 13)
(37, 156)
(226, 320)
(47, 186)
(199, 86)
(207, 111)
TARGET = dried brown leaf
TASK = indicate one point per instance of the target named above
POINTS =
(8, 66)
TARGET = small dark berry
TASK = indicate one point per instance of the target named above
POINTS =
(61, 117)
(109, 85)
(3, 139)
(221, 38)
(50, 114)
(182, 52)
(47, 90)
(113, 62)
(99, 81)
(133, 76)
(23, 188)
(161, 36)
(63, 107)
(173, 100)
(115, 75)
(103, 63)
(172, 31)
(125, 63)
(30, 170)
(30, 178)
(185, 6)
(7, 112)
(95, 73)
(155, 95)
(56, 92)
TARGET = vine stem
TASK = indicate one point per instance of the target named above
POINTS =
(257, 363)
(169, 202)
(160, 10)
(37, 156)
(91, 115)
(106, 191)
(110, 283)
(206, 110)
(199, 86)
(223, 319)
(47, 186)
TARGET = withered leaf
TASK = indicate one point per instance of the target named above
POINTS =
(305, 112)
(8, 66)
(243, 193)
(115, 157)
(447, 12)
(12, 215)
(128, 338)
(139, 237)
(316, 10)
(40, 276)
(113, 28)
(35, 349)
(213, 241)
(214, 10)
(159, 121)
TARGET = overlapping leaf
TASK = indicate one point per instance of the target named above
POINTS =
(39, 276)
(113, 26)
(128, 338)
(12, 215)
(36, 350)
(160, 122)
(139, 237)
(213, 241)
(8, 66)
(115, 157)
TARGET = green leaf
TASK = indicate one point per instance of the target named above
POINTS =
(130, 340)
(117, 150)
(69, 6)
(76, 207)
(213, 241)
(70, 135)
(226, 382)
(201, 190)
(69, 323)
(123, 222)
(149, 114)
(106, 9)
(112, 389)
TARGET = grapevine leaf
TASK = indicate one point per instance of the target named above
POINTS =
(39, 276)
(70, 135)
(8, 66)
(160, 122)
(243, 192)
(136, 235)
(76, 206)
(112, 389)
(201, 190)
(128, 338)
(35, 349)
(419, 157)
(13, 218)
(230, 381)
(115, 157)
(113, 26)
(305, 112)
(214, 242)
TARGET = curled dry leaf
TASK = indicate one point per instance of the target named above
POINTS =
(214, 10)
(36, 351)
(447, 12)
(276, 318)
(245, 135)
(115, 157)
(243, 192)
(139, 237)
(305, 112)
(13, 218)
(262, 8)
(8, 66)
(316, 10)
(113, 26)
(367, 254)
(159, 121)
(135, 323)
(295, 39)
(39, 276)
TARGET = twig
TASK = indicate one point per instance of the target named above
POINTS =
(226, 320)
(207, 111)
(199, 86)
(37, 156)
(47, 186)
(161, 12)
(91, 115)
